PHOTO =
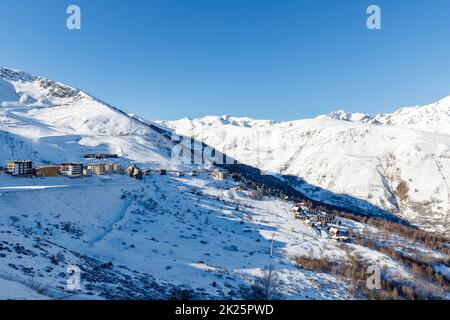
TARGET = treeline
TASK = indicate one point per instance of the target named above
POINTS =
(356, 272)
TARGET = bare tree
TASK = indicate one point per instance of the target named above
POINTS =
(267, 286)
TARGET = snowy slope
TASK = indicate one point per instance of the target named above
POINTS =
(195, 237)
(181, 232)
(46, 121)
(157, 238)
(403, 171)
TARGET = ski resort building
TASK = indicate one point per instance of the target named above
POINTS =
(87, 172)
(193, 173)
(220, 174)
(134, 172)
(109, 167)
(97, 168)
(71, 169)
(103, 168)
(339, 234)
(19, 167)
(100, 156)
(46, 171)
(112, 168)
(179, 173)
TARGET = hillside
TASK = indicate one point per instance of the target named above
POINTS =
(372, 167)
(185, 237)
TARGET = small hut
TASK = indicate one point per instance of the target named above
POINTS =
(193, 173)
(134, 172)
(220, 174)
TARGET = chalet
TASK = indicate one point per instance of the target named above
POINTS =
(132, 169)
(296, 209)
(220, 174)
(339, 234)
(134, 172)
(71, 169)
(179, 173)
(193, 173)
(19, 167)
(46, 171)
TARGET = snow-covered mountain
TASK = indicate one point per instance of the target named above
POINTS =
(44, 120)
(181, 237)
(159, 238)
(434, 117)
(403, 171)
(348, 116)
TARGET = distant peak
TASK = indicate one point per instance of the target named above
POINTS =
(349, 116)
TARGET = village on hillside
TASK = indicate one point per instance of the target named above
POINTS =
(325, 225)
(25, 168)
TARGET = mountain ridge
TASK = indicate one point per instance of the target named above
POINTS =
(197, 236)
(433, 117)
(327, 153)
(399, 170)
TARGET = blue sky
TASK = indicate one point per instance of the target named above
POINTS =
(289, 59)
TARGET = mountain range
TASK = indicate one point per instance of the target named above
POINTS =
(398, 162)
(194, 236)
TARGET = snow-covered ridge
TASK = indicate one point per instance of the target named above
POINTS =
(227, 120)
(47, 121)
(348, 116)
(54, 105)
(434, 117)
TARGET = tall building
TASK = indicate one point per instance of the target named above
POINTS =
(71, 169)
(19, 167)
(102, 168)
(46, 171)
(97, 168)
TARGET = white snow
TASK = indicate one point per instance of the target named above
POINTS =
(139, 239)
(434, 117)
(367, 162)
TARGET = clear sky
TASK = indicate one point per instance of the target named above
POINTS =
(275, 59)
